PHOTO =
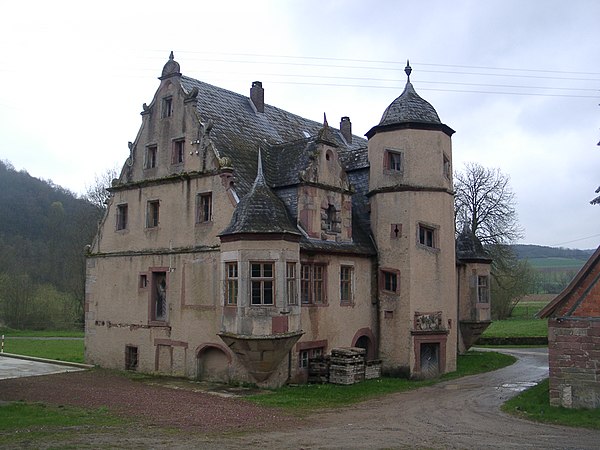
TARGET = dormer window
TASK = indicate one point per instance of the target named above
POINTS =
(177, 151)
(150, 157)
(330, 218)
(167, 107)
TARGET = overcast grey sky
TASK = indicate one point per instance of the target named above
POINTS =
(519, 81)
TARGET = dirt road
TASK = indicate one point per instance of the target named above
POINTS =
(460, 414)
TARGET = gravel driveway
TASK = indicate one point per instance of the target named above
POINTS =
(457, 414)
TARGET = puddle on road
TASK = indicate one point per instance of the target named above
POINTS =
(519, 386)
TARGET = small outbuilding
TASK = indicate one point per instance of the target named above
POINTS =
(574, 340)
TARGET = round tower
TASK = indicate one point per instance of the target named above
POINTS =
(412, 220)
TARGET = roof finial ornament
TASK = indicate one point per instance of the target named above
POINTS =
(260, 178)
(325, 124)
(171, 56)
(408, 71)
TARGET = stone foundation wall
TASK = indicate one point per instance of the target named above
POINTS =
(574, 360)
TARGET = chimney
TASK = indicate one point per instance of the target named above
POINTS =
(346, 129)
(257, 95)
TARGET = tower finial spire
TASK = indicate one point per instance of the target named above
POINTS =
(408, 71)
(171, 56)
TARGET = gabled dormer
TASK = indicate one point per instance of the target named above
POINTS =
(325, 194)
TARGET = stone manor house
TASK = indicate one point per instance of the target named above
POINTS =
(242, 240)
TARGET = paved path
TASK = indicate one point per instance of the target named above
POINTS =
(15, 368)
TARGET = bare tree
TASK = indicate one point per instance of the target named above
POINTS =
(97, 193)
(485, 204)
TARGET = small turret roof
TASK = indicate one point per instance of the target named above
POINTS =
(470, 249)
(260, 211)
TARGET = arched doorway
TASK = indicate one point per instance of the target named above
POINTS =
(212, 364)
(364, 338)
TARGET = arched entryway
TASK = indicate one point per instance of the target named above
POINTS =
(364, 338)
(212, 363)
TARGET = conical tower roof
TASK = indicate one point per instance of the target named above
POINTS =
(409, 110)
(260, 211)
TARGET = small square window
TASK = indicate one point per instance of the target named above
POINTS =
(152, 214)
(150, 157)
(427, 236)
(304, 356)
(122, 216)
(178, 151)
(167, 107)
(393, 161)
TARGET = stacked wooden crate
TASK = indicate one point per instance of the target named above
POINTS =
(347, 365)
(318, 369)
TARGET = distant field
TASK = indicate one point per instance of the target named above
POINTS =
(555, 263)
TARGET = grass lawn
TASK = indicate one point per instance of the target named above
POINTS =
(8, 332)
(534, 404)
(317, 396)
(59, 349)
(517, 328)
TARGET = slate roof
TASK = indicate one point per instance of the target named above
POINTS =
(470, 249)
(288, 142)
(409, 107)
(260, 211)
(238, 131)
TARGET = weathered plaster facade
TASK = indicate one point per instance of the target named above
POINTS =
(241, 240)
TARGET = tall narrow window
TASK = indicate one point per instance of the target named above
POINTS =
(122, 216)
(152, 214)
(446, 168)
(167, 107)
(150, 157)
(290, 277)
(131, 357)
(312, 284)
(330, 218)
(178, 151)
(231, 283)
(483, 289)
(204, 207)
(346, 284)
(158, 309)
(261, 283)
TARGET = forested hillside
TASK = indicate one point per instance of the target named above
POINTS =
(525, 251)
(43, 232)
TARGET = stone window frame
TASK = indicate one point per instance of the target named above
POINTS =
(204, 207)
(483, 289)
(446, 166)
(178, 151)
(310, 286)
(131, 357)
(347, 285)
(291, 282)
(393, 161)
(153, 213)
(231, 283)
(309, 350)
(331, 222)
(166, 107)
(151, 157)
(158, 307)
(121, 213)
(428, 236)
(393, 275)
(264, 282)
